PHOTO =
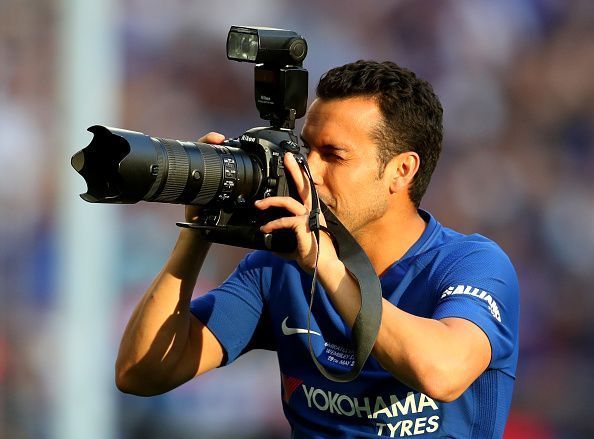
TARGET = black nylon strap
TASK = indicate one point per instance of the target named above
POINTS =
(331, 235)
(367, 323)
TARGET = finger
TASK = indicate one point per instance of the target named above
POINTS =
(212, 137)
(299, 177)
(288, 203)
(296, 223)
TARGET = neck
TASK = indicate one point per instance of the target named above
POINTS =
(388, 239)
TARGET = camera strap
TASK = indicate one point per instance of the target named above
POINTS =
(367, 323)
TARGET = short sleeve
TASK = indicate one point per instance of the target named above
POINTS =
(233, 310)
(481, 286)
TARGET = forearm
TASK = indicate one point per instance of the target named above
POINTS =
(342, 289)
(425, 354)
(158, 331)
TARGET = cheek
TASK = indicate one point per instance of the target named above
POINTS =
(357, 194)
(371, 192)
(352, 189)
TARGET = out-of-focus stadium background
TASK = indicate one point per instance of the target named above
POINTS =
(517, 82)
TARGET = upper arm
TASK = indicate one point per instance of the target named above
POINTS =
(481, 290)
(229, 316)
(203, 352)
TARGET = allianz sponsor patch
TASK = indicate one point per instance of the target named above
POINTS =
(476, 292)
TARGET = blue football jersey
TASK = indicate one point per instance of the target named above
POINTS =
(264, 305)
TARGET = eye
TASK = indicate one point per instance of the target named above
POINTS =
(331, 154)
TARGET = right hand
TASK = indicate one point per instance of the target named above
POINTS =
(193, 212)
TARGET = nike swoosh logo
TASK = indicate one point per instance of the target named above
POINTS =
(291, 331)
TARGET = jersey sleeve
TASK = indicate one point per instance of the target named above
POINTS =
(233, 311)
(481, 286)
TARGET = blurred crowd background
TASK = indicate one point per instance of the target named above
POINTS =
(517, 82)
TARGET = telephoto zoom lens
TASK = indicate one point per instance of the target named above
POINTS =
(121, 166)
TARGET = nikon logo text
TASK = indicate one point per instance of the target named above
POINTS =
(247, 138)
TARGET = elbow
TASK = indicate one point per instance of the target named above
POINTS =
(124, 383)
(440, 392)
(131, 387)
(122, 378)
(128, 382)
(441, 384)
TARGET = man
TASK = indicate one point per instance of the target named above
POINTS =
(446, 352)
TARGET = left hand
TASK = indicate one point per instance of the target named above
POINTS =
(305, 254)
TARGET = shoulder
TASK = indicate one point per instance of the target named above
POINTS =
(262, 260)
(454, 261)
(473, 246)
(475, 266)
(475, 254)
(447, 246)
(258, 258)
(449, 251)
(269, 266)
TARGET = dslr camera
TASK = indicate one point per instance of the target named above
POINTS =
(121, 166)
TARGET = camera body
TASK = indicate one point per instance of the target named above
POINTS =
(232, 219)
(121, 166)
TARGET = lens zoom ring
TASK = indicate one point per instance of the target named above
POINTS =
(177, 172)
(213, 175)
(161, 162)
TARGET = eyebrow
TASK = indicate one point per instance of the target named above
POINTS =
(325, 146)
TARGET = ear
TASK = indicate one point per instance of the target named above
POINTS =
(401, 171)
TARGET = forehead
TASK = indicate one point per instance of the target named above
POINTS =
(334, 120)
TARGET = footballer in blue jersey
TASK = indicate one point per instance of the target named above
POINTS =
(444, 361)
(264, 304)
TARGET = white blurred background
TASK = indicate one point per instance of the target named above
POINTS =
(516, 81)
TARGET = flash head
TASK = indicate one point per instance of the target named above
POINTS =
(263, 45)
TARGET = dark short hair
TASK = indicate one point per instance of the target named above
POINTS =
(412, 113)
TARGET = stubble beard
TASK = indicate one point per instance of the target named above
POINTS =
(359, 222)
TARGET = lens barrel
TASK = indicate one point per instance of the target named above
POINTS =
(121, 166)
